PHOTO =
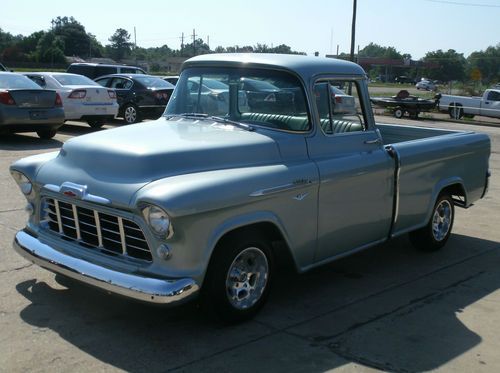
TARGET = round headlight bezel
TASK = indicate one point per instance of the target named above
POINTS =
(158, 221)
(23, 182)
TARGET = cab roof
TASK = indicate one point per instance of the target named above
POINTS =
(304, 66)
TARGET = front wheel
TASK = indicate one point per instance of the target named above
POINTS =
(239, 277)
(434, 235)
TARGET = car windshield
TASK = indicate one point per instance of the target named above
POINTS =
(73, 80)
(16, 81)
(153, 82)
(222, 92)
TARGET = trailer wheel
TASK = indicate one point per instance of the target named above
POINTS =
(399, 112)
(456, 111)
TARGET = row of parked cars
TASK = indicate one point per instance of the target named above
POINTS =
(98, 93)
(42, 101)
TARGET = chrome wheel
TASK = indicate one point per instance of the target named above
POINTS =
(130, 114)
(441, 220)
(247, 278)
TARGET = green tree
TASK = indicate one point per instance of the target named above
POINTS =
(375, 50)
(487, 62)
(450, 65)
(120, 46)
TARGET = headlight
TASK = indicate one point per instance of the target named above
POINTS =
(158, 220)
(23, 182)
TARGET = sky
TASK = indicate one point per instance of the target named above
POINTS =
(411, 26)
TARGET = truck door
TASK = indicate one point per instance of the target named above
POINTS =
(356, 172)
(490, 106)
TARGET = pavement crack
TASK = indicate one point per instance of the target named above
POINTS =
(17, 268)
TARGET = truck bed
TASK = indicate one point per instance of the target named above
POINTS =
(427, 161)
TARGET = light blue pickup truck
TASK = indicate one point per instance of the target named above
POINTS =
(258, 160)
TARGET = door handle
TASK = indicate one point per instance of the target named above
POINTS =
(374, 141)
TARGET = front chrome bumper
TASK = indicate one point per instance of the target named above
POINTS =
(151, 290)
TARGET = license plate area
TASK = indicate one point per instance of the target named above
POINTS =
(38, 115)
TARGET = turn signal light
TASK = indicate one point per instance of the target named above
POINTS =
(78, 93)
(6, 98)
(58, 102)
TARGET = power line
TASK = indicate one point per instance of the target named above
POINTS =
(464, 4)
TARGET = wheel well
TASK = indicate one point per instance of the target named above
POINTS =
(457, 193)
(282, 254)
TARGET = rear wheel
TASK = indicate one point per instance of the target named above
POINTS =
(434, 235)
(456, 111)
(96, 123)
(46, 134)
(239, 277)
(130, 114)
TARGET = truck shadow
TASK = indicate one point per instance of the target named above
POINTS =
(27, 141)
(366, 309)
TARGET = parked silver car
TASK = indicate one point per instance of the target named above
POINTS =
(25, 107)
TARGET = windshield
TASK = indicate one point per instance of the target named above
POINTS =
(73, 80)
(224, 92)
(153, 82)
(16, 81)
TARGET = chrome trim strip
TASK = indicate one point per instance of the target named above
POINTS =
(280, 188)
(77, 222)
(151, 290)
(98, 228)
(122, 235)
(394, 153)
(58, 214)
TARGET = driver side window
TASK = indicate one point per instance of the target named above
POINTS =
(339, 108)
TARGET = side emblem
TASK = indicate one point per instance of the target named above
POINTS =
(301, 196)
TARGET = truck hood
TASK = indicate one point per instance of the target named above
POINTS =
(115, 163)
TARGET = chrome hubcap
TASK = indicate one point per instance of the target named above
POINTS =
(130, 114)
(441, 221)
(247, 278)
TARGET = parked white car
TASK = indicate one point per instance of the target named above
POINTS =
(83, 99)
(426, 84)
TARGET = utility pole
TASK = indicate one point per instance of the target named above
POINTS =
(194, 42)
(208, 41)
(353, 30)
(353, 37)
(135, 38)
(182, 43)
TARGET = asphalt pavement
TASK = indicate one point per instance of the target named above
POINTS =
(388, 308)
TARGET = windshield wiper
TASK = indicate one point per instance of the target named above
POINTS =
(234, 123)
(211, 117)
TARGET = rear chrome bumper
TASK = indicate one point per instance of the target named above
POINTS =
(151, 290)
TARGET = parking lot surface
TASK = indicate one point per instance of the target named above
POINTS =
(388, 308)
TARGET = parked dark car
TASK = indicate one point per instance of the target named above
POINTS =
(265, 97)
(139, 96)
(96, 70)
(173, 79)
(26, 107)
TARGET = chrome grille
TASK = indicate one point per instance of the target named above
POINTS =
(94, 229)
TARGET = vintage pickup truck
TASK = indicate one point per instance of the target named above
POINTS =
(487, 105)
(207, 200)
